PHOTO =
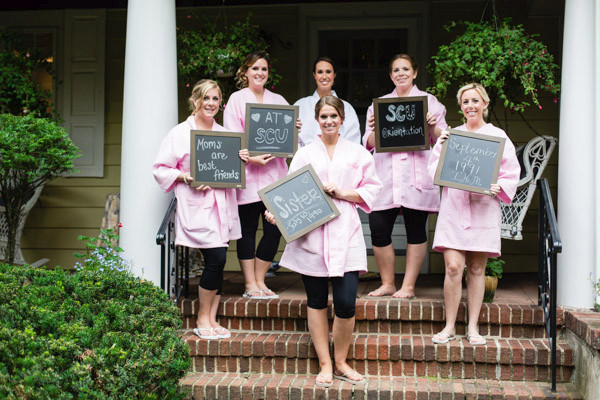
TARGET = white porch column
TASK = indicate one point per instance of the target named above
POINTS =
(578, 199)
(149, 112)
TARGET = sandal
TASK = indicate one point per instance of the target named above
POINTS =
(346, 377)
(222, 333)
(327, 380)
(202, 333)
(442, 337)
(269, 294)
(258, 295)
(378, 293)
(476, 340)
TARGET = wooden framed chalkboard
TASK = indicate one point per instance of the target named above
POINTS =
(214, 159)
(400, 124)
(298, 203)
(470, 161)
(271, 129)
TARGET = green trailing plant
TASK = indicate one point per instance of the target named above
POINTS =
(206, 50)
(33, 151)
(97, 333)
(513, 66)
(20, 94)
(494, 267)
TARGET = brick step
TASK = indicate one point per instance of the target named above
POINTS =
(384, 355)
(373, 316)
(221, 385)
(299, 325)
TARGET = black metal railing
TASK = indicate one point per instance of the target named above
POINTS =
(549, 246)
(174, 260)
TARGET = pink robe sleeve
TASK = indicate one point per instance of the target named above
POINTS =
(233, 116)
(510, 170)
(368, 131)
(370, 185)
(434, 158)
(165, 164)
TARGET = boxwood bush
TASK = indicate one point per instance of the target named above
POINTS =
(98, 333)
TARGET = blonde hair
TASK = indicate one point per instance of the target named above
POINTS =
(199, 91)
(241, 80)
(330, 101)
(480, 89)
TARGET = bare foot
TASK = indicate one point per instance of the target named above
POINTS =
(404, 294)
(383, 290)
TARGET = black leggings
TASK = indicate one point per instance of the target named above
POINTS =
(382, 224)
(344, 293)
(267, 247)
(214, 262)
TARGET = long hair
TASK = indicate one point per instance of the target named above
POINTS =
(241, 80)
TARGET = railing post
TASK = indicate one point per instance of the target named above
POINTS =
(549, 245)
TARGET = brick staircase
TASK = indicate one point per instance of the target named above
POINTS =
(269, 355)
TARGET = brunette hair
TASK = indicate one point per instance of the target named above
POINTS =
(480, 89)
(326, 59)
(406, 57)
(330, 101)
(241, 80)
(199, 91)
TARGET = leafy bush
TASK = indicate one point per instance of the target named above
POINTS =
(494, 267)
(20, 94)
(205, 50)
(33, 151)
(98, 333)
(512, 66)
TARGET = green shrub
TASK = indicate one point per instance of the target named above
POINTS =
(494, 267)
(98, 333)
(33, 151)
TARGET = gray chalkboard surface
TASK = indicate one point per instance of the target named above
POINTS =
(214, 159)
(298, 203)
(271, 129)
(470, 161)
(400, 124)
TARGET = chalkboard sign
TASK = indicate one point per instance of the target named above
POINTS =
(271, 129)
(214, 159)
(469, 161)
(400, 124)
(298, 203)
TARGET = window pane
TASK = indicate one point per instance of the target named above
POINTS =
(363, 54)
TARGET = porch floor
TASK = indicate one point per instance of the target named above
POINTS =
(515, 288)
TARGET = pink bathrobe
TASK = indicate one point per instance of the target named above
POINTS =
(404, 174)
(204, 219)
(234, 119)
(338, 246)
(471, 221)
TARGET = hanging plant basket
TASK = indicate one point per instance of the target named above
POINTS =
(513, 66)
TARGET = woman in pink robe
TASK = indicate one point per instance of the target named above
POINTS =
(409, 189)
(260, 171)
(335, 251)
(468, 225)
(206, 219)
